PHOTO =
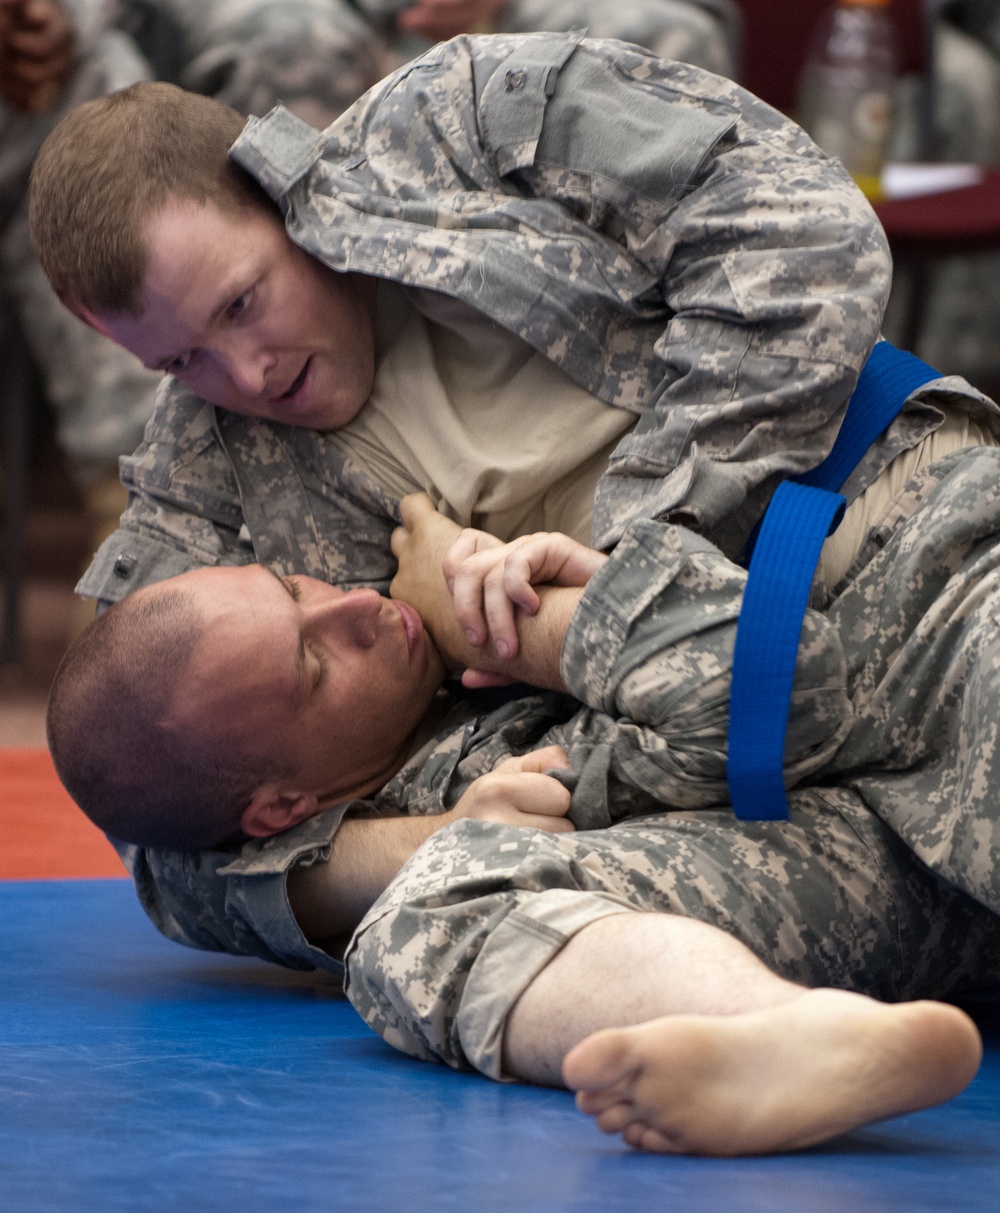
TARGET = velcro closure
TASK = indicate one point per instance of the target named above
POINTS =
(513, 103)
(278, 149)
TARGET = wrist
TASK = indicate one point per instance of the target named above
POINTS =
(540, 641)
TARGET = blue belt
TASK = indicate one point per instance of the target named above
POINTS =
(785, 548)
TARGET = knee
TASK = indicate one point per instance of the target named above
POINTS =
(385, 987)
(409, 963)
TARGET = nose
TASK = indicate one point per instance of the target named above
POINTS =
(354, 614)
(247, 366)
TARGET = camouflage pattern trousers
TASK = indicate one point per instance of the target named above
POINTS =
(886, 880)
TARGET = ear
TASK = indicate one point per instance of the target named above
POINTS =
(273, 809)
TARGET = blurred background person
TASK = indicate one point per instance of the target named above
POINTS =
(960, 330)
(53, 55)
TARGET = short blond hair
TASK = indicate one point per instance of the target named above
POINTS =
(110, 164)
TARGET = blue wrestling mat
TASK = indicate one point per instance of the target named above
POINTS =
(137, 1075)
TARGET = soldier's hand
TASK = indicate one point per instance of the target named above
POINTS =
(419, 546)
(37, 53)
(518, 793)
(443, 19)
(489, 580)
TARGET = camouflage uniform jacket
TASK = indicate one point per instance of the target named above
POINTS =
(646, 663)
(894, 710)
(677, 247)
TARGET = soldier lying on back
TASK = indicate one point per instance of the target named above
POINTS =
(294, 703)
(680, 277)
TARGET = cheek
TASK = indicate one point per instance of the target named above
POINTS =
(328, 736)
(348, 407)
(216, 387)
(202, 382)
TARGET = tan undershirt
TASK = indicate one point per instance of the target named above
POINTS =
(498, 436)
(869, 509)
(503, 440)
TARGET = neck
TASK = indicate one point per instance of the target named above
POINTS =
(425, 729)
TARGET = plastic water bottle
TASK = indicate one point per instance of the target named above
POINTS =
(847, 86)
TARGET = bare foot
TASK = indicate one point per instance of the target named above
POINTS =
(778, 1079)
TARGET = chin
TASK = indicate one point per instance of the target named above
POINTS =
(341, 414)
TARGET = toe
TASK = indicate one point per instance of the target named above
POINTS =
(594, 1102)
(655, 1142)
(616, 1118)
(633, 1133)
(601, 1060)
(641, 1136)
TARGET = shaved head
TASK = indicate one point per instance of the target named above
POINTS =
(137, 777)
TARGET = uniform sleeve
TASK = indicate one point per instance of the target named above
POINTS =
(676, 246)
(649, 650)
(208, 487)
(235, 900)
(768, 274)
(184, 509)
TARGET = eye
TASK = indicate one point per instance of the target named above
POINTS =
(239, 305)
(292, 586)
(321, 665)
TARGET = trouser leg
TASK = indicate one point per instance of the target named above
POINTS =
(830, 899)
(919, 626)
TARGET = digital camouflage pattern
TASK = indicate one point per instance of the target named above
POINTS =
(670, 601)
(831, 898)
(316, 57)
(670, 242)
(919, 628)
(892, 725)
(838, 896)
(885, 881)
(102, 396)
(711, 299)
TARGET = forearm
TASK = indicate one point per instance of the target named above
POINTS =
(330, 898)
(427, 542)
(540, 640)
(652, 644)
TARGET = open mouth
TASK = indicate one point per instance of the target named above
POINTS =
(297, 382)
